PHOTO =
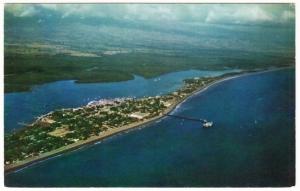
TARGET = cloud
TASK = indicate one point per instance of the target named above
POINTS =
(255, 13)
(287, 15)
(20, 10)
(239, 14)
(202, 13)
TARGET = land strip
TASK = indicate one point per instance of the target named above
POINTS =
(62, 132)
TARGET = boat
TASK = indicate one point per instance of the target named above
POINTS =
(207, 124)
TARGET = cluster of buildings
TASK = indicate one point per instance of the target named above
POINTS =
(107, 101)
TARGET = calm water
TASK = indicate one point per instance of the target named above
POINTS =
(251, 144)
(24, 107)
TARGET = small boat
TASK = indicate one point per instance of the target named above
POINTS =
(207, 124)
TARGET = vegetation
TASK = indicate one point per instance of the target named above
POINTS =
(64, 127)
(22, 71)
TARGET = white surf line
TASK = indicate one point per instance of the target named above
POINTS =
(226, 79)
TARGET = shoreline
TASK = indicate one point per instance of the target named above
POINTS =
(94, 139)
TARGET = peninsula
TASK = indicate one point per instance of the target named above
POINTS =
(68, 129)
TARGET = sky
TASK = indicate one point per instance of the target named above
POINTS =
(202, 13)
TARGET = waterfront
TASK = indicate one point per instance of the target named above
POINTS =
(25, 106)
(68, 129)
(238, 151)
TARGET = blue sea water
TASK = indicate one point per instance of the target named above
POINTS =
(252, 143)
(20, 108)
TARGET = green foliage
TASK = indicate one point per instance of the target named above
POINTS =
(24, 70)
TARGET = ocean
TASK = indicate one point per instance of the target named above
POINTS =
(252, 143)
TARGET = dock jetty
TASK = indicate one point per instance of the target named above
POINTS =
(204, 122)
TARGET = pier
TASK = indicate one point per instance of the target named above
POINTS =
(204, 122)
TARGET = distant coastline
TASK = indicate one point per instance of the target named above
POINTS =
(94, 139)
